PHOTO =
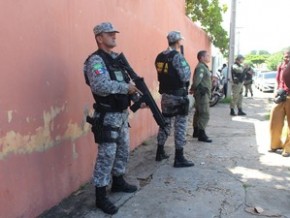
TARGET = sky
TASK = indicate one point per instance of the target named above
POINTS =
(260, 25)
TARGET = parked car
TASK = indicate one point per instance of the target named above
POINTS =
(257, 79)
(268, 81)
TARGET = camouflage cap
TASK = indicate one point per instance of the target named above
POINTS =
(104, 27)
(174, 36)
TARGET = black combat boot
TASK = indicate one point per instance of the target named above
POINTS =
(120, 185)
(241, 112)
(232, 112)
(203, 137)
(195, 132)
(103, 202)
(180, 160)
(160, 153)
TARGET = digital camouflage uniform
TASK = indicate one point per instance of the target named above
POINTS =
(201, 86)
(237, 86)
(170, 102)
(112, 157)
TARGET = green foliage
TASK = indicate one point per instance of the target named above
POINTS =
(259, 52)
(226, 100)
(209, 14)
(256, 59)
(273, 60)
(267, 116)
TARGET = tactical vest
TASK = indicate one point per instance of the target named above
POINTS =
(239, 77)
(167, 75)
(112, 102)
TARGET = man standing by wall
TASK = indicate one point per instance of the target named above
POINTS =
(111, 89)
(279, 111)
(201, 88)
(238, 76)
(173, 76)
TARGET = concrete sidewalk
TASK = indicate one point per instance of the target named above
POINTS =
(231, 176)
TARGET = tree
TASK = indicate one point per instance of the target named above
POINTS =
(259, 52)
(273, 60)
(256, 59)
(209, 14)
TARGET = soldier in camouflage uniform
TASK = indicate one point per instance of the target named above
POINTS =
(111, 90)
(173, 76)
(238, 77)
(201, 88)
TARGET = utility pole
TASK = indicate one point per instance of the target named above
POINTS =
(232, 46)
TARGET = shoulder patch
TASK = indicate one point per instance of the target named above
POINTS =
(184, 63)
(98, 69)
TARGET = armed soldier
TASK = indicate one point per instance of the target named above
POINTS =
(238, 76)
(173, 76)
(201, 88)
(112, 90)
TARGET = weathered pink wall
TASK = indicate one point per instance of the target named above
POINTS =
(46, 149)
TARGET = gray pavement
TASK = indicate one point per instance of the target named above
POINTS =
(234, 176)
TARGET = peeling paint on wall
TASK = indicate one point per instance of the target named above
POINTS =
(41, 140)
(9, 113)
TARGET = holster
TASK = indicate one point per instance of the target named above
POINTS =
(101, 133)
(184, 108)
(202, 90)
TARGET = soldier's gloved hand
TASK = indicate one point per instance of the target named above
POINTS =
(236, 80)
(133, 89)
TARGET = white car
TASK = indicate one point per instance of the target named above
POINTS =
(258, 78)
(267, 81)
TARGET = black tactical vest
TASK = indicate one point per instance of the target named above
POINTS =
(116, 102)
(167, 75)
(239, 77)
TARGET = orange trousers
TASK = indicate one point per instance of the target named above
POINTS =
(278, 114)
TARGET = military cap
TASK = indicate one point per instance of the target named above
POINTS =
(174, 36)
(105, 27)
(240, 57)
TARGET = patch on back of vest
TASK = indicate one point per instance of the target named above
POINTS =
(161, 68)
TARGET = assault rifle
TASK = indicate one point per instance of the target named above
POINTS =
(146, 95)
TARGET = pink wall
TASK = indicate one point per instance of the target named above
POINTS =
(46, 149)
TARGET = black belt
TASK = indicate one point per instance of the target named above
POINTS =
(178, 92)
(106, 108)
